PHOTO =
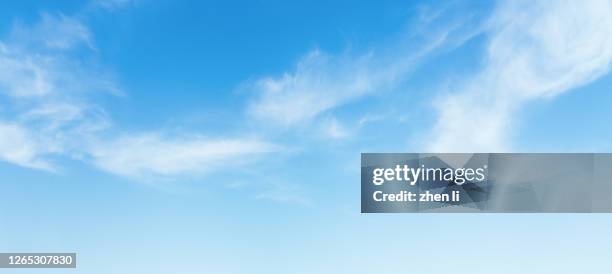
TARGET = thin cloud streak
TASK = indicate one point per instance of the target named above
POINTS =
(151, 155)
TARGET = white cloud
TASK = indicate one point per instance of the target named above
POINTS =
(21, 77)
(320, 82)
(46, 112)
(537, 50)
(154, 155)
(50, 115)
(332, 128)
(53, 33)
(18, 146)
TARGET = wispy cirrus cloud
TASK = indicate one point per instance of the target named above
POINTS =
(44, 90)
(321, 82)
(53, 32)
(146, 155)
(18, 145)
(46, 112)
(33, 61)
(536, 50)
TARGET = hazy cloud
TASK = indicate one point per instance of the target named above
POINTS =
(152, 154)
(45, 106)
(536, 50)
(19, 146)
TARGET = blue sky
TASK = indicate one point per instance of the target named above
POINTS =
(225, 136)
